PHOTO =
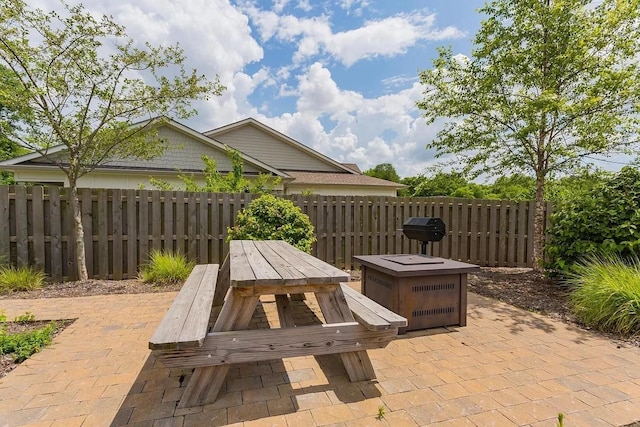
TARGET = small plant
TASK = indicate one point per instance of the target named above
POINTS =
(606, 293)
(560, 420)
(381, 412)
(166, 267)
(272, 218)
(25, 318)
(20, 279)
(23, 344)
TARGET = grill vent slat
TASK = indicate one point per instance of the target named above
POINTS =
(434, 287)
(433, 311)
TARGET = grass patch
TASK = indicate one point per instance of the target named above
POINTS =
(606, 294)
(20, 279)
(165, 268)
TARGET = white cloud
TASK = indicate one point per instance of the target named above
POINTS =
(319, 94)
(387, 37)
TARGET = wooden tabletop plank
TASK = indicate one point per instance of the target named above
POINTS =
(286, 267)
(316, 270)
(292, 255)
(263, 270)
(241, 273)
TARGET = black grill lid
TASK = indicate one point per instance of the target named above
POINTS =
(425, 229)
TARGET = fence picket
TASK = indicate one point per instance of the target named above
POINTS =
(132, 234)
(116, 209)
(5, 224)
(103, 234)
(37, 210)
(22, 227)
(55, 228)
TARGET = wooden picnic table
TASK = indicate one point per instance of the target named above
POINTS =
(256, 268)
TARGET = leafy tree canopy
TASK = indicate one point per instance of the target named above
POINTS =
(384, 171)
(549, 83)
(13, 112)
(441, 184)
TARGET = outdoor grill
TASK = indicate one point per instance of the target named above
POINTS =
(424, 229)
(429, 291)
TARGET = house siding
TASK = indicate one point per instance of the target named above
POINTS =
(123, 180)
(183, 153)
(272, 151)
(340, 190)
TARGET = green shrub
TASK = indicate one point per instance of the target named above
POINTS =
(272, 218)
(166, 267)
(606, 293)
(22, 345)
(604, 220)
(20, 279)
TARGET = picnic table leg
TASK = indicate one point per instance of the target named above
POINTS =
(222, 286)
(283, 303)
(335, 310)
(205, 383)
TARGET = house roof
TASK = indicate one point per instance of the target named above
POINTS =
(255, 123)
(325, 178)
(353, 167)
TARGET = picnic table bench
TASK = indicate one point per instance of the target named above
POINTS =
(206, 326)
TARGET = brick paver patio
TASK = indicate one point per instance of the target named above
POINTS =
(507, 367)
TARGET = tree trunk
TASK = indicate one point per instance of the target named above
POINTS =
(81, 263)
(538, 225)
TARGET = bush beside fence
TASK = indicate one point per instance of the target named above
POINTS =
(122, 227)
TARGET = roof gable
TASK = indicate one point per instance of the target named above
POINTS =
(282, 152)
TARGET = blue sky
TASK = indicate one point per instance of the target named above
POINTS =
(339, 76)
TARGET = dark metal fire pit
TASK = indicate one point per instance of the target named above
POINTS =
(429, 291)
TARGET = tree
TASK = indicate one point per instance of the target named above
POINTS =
(549, 83)
(441, 184)
(12, 112)
(384, 171)
(516, 187)
(233, 182)
(85, 83)
(412, 183)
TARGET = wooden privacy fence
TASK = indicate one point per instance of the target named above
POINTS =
(123, 226)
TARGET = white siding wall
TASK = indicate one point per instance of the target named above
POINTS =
(272, 151)
(340, 190)
(183, 153)
(122, 180)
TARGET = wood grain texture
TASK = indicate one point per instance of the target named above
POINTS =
(226, 348)
(335, 310)
(185, 324)
(206, 382)
(364, 309)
